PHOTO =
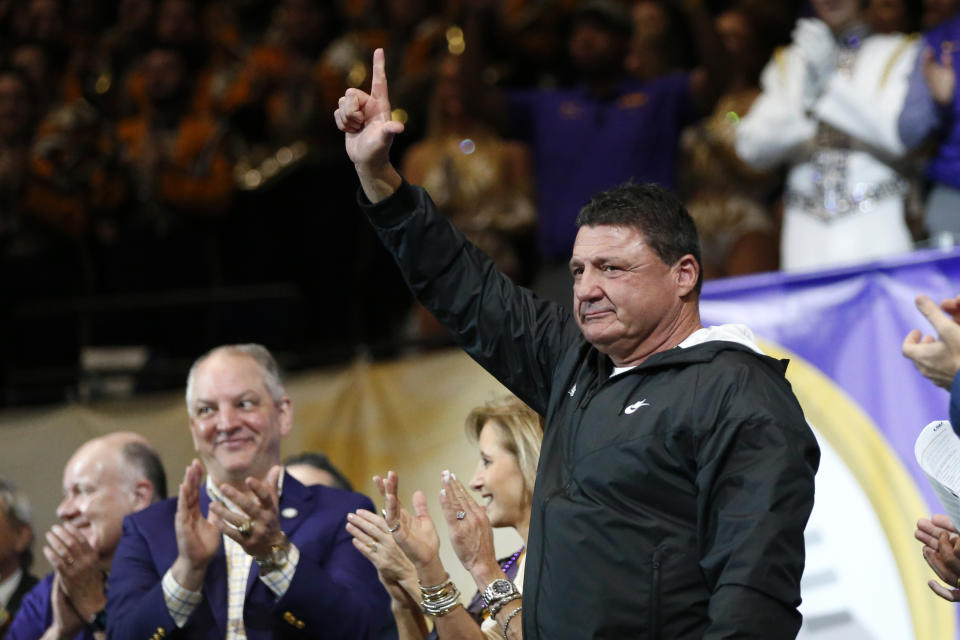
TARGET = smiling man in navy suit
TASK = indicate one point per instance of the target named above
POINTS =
(248, 552)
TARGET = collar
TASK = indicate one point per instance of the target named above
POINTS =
(700, 346)
(215, 494)
(739, 333)
(8, 586)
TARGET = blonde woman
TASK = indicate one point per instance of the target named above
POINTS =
(405, 546)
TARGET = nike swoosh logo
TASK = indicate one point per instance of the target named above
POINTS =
(636, 405)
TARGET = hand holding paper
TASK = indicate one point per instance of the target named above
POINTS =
(938, 452)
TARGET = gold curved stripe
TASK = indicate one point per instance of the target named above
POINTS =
(882, 477)
(905, 43)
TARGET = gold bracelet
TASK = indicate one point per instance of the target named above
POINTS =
(442, 602)
(435, 588)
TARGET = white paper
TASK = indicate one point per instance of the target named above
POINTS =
(938, 453)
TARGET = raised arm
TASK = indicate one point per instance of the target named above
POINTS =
(365, 119)
(777, 125)
(517, 337)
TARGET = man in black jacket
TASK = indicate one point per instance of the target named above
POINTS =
(677, 470)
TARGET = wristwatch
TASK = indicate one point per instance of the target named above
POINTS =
(276, 558)
(499, 589)
(99, 621)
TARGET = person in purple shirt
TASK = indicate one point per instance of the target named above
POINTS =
(930, 110)
(605, 130)
(106, 479)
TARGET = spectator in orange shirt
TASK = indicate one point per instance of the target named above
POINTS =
(180, 171)
(177, 24)
(286, 79)
(175, 156)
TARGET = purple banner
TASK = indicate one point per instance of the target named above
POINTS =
(850, 323)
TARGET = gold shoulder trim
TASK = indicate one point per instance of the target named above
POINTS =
(905, 44)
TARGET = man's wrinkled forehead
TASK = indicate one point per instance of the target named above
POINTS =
(607, 239)
(235, 371)
(88, 466)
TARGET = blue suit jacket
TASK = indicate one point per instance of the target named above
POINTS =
(334, 593)
(35, 615)
(955, 404)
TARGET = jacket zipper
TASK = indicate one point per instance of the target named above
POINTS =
(655, 596)
(534, 618)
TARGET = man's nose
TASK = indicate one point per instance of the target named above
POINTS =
(227, 418)
(585, 286)
(66, 508)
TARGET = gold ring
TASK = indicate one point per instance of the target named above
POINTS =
(68, 560)
(245, 528)
(394, 527)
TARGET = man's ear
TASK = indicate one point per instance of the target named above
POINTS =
(686, 271)
(285, 406)
(142, 494)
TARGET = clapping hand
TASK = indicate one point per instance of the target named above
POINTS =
(414, 532)
(77, 567)
(939, 75)
(936, 358)
(815, 44)
(257, 527)
(197, 537)
(372, 538)
(470, 532)
(941, 550)
(66, 621)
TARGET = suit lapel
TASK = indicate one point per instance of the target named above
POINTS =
(296, 504)
(215, 582)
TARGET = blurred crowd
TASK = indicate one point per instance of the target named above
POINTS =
(159, 157)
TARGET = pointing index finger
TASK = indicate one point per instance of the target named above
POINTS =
(378, 82)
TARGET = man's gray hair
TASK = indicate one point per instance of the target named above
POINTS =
(268, 364)
(145, 463)
(16, 508)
